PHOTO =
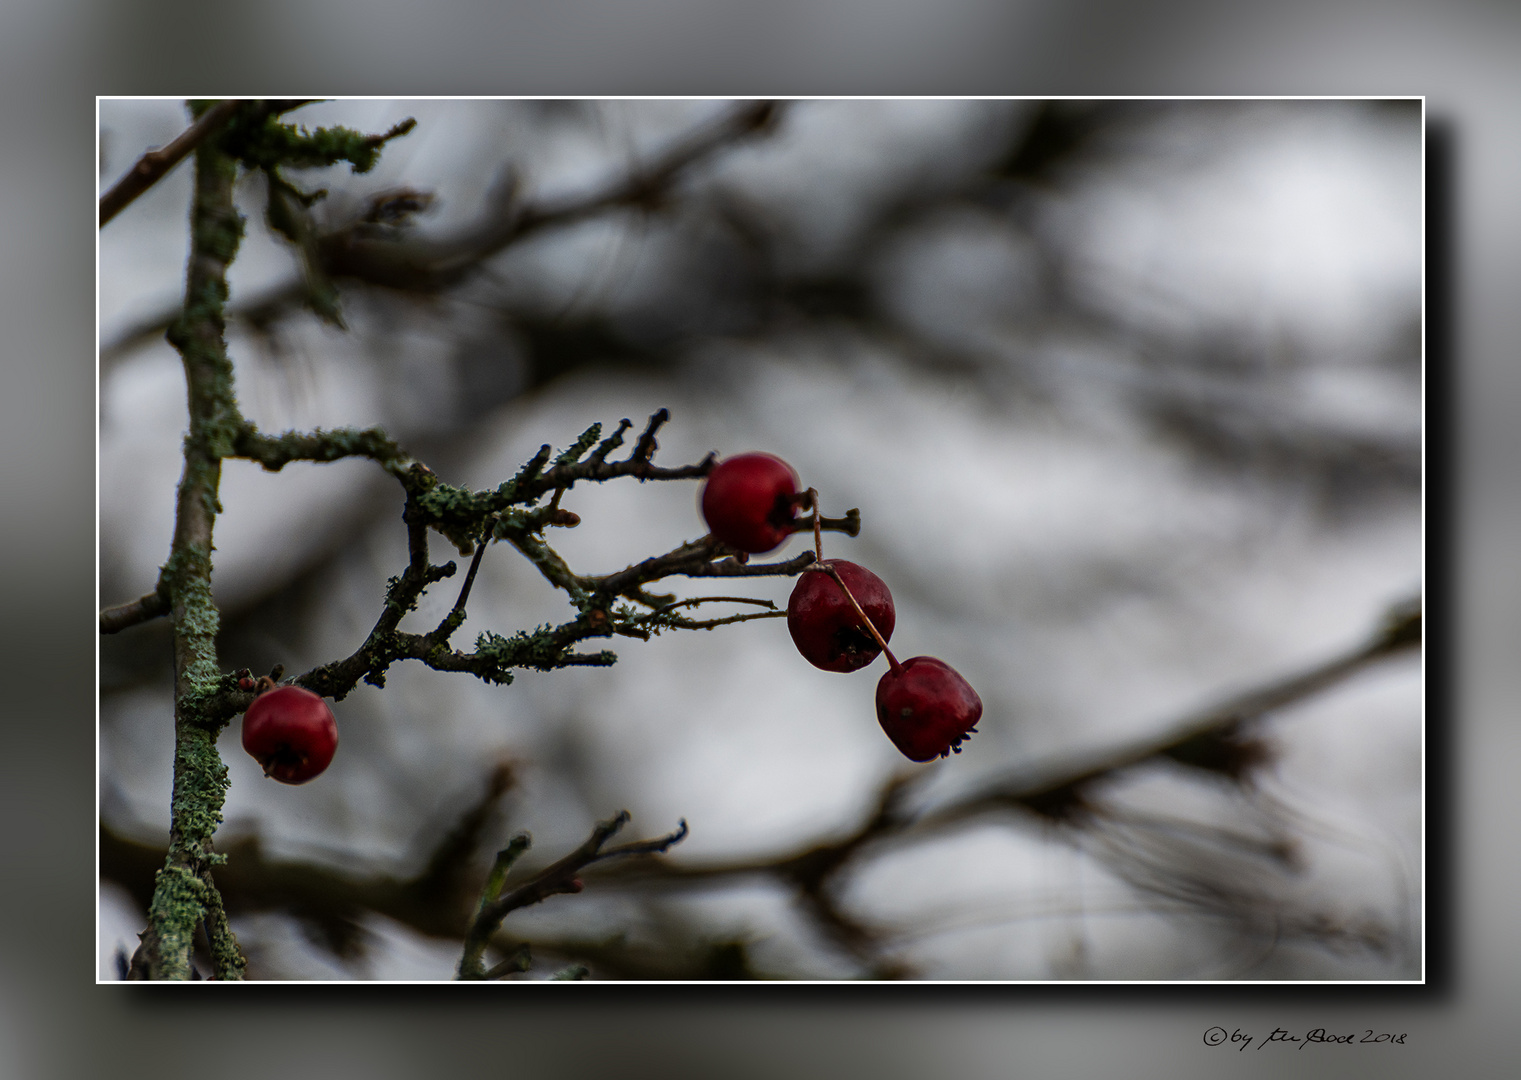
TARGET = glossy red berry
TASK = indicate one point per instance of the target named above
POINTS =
(748, 501)
(825, 627)
(926, 708)
(291, 732)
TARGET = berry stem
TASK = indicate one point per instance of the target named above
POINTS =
(818, 527)
(866, 619)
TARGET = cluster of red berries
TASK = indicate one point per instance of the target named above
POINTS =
(840, 615)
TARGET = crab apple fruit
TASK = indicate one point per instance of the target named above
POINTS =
(749, 501)
(926, 708)
(825, 627)
(291, 733)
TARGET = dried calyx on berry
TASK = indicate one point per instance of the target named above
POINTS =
(290, 731)
(825, 625)
(750, 502)
(926, 708)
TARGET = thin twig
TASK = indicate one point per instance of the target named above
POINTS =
(457, 613)
(559, 877)
(427, 265)
(1053, 791)
(155, 164)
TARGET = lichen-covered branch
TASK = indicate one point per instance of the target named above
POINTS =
(183, 895)
(516, 512)
(274, 452)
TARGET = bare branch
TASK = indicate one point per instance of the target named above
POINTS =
(428, 265)
(457, 613)
(1055, 792)
(436, 902)
(814, 871)
(155, 164)
(559, 877)
(154, 605)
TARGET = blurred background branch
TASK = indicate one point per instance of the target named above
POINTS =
(1225, 742)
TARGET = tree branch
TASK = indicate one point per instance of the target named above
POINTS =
(814, 870)
(424, 265)
(559, 877)
(351, 251)
(1213, 741)
(154, 165)
(184, 896)
(154, 605)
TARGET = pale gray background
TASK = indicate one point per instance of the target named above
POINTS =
(1249, 270)
(54, 58)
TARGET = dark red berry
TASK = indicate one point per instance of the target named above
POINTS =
(749, 501)
(926, 708)
(825, 627)
(291, 732)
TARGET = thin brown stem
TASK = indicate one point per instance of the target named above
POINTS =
(818, 528)
(865, 619)
(458, 612)
(155, 164)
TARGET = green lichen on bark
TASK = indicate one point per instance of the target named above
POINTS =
(187, 575)
(274, 452)
(179, 903)
(225, 954)
(543, 649)
(456, 512)
(546, 558)
(184, 893)
(577, 449)
(200, 784)
(200, 778)
(273, 144)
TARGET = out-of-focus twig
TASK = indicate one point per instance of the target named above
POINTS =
(1051, 792)
(1046, 793)
(425, 265)
(559, 877)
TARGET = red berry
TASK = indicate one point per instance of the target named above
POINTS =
(748, 501)
(291, 732)
(824, 626)
(926, 708)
